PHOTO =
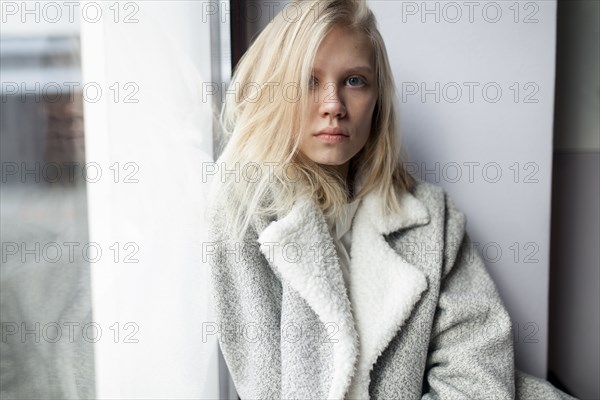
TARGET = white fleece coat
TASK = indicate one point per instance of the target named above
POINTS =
(423, 320)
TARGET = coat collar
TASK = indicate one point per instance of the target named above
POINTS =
(384, 287)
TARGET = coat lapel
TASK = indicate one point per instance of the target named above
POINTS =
(383, 287)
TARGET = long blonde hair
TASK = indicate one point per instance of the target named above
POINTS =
(264, 113)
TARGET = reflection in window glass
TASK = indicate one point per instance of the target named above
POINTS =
(46, 315)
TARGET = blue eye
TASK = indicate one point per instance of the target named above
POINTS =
(355, 81)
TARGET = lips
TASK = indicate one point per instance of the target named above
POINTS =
(331, 131)
(332, 136)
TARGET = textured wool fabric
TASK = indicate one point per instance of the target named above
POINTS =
(422, 319)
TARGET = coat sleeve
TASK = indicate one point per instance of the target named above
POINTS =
(471, 347)
(247, 306)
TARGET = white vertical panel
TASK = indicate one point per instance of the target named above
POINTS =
(152, 126)
(461, 139)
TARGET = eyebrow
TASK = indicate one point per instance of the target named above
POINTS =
(351, 70)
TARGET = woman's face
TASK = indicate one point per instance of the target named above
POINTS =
(343, 96)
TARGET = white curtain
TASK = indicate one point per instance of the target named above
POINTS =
(148, 133)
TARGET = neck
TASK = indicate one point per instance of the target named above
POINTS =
(343, 170)
(348, 176)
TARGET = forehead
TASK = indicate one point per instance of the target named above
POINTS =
(344, 48)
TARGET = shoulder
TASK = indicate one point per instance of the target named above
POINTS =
(431, 195)
(438, 202)
(446, 221)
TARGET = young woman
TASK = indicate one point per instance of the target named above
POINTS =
(337, 275)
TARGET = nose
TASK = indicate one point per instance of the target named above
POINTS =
(331, 102)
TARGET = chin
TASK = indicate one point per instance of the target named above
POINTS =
(331, 163)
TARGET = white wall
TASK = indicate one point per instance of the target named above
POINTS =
(485, 46)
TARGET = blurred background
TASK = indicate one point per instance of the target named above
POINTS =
(107, 128)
